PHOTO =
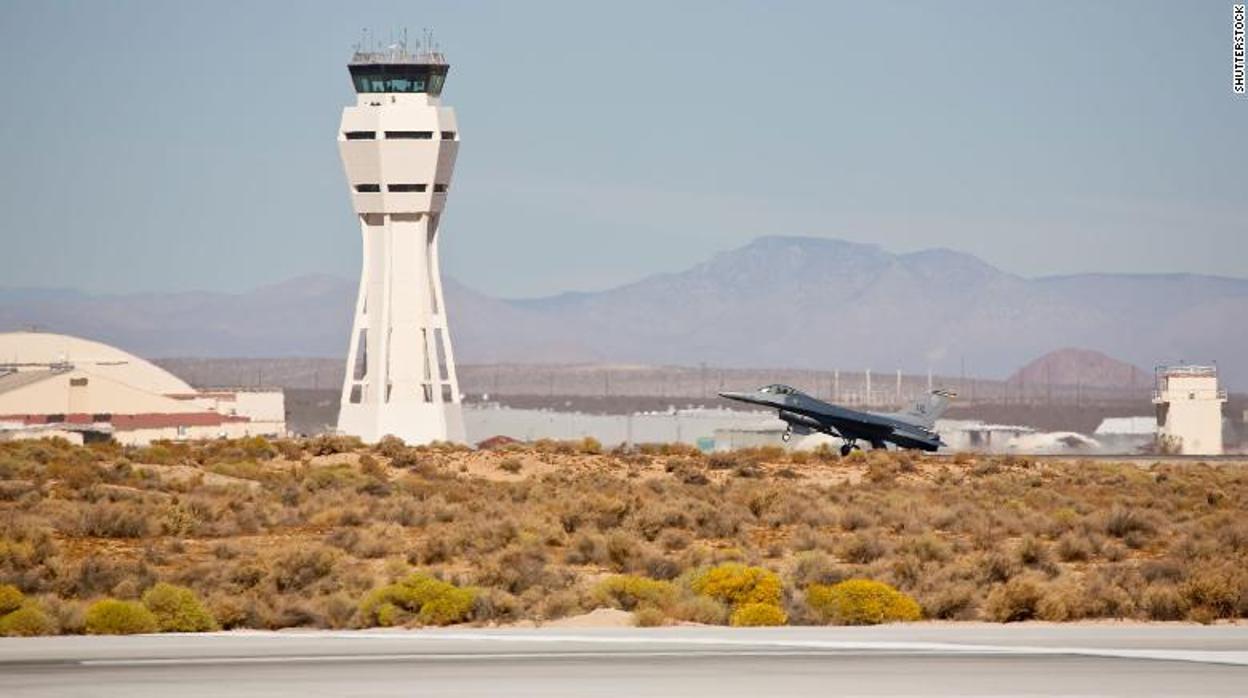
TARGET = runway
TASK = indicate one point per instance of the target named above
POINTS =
(926, 659)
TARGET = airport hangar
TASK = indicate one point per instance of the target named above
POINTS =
(81, 390)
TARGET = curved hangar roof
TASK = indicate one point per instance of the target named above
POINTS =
(32, 350)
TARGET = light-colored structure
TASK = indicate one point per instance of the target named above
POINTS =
(52, 383)
(977, 436)
(1189, 409)
(1127, 434)
(398, 146)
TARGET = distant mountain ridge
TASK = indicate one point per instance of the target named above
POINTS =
(778, 301)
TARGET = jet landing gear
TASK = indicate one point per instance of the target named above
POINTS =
(788, 434)
(849, 445)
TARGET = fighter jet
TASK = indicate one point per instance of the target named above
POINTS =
(804, 414)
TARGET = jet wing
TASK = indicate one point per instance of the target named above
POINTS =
(846, 421)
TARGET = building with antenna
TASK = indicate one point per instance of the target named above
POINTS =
(1189, 409)
(398, 145)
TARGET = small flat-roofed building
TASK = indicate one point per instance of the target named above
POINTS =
(1189, 409)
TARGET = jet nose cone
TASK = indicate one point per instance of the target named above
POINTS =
(731, 395)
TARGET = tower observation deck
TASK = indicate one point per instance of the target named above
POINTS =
(398, 145)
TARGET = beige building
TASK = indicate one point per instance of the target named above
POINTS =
(51, 383)
(1189, 409)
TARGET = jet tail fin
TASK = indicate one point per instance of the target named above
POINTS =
(927, 409)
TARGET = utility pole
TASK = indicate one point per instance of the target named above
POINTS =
(962, 382)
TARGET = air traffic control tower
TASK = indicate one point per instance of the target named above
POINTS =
(398, 146)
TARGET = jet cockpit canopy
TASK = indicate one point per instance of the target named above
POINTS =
(778, 389)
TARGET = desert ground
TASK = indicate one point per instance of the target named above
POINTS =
(330, 533)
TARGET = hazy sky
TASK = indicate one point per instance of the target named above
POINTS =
(163, 145)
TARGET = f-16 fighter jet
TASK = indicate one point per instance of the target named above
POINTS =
(804, 414)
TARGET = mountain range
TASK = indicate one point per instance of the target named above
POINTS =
(793, 302)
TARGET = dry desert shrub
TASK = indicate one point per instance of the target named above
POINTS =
(814, 567)
(177, 609)
(113, 520)
(22, 617)
(369, 542)
(649, 617)
(330, 444)
(629, 592)
(758, 614)
(96, 575)
(1075, 547)
(862, 548)
(298, 567)
(69, 615)
(11, 598)
(518, 570)
(419, 597)
(589, 446)
(27, 621)
(1164, 602)
(113, 617)
(950, 600)
(390, 446)
(559, 604)
(737, 585)
(1016, 600)
(861, 602)
(927, 547)
(1215, 590)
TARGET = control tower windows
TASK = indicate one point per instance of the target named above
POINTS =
(401, 77)
(368, 188)
(448, 135)
(439, 188)
(399, 188)
(391, 84)
(360, 135)
(419, 135)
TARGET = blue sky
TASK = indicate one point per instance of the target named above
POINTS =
(176, 145)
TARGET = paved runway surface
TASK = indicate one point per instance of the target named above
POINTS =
(925, 659)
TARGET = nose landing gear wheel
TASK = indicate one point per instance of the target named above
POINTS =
(847, 447)
(788, 434)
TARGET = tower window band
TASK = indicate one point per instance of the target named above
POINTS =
(397, 188)
(360, 135)
(448, 135)
(398, 77)
(367, 188)
(439, 187)
(419, 135)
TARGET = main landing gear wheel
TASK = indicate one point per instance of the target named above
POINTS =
(847, 447)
